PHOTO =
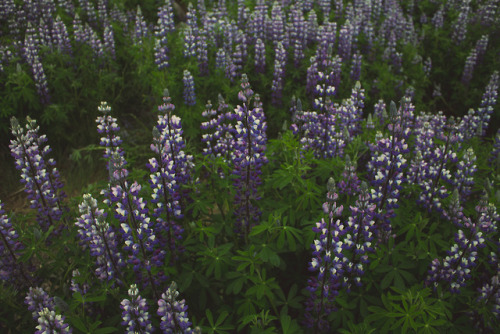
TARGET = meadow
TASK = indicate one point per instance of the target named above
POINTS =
(249, 166)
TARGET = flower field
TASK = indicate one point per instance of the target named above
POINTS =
(249, 166)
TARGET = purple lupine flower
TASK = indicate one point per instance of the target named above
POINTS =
(219, 139)
(189, 94)
(481, 46)
(386, 166)
(489, 296)
(51, 322)
(170, 129)
(164, 25)
(75, 287)
(109, 40)
(455, 268)
(358, 233)
(318, 132)
(461, 24)
(437, 157)
(311, 78)
(220, 59)
(202, 52)
(488, 217)
(455, 213)
(102, 11)
(60, 36)
(141, 28)
(487, 13)
(243, 13)
(339, 6)
(356, 66)
(470, 64)
(135, 313)
(345, 41)
(108, 127)
(328, 262)
(325, 6)
(323, 91)
(38, 173)
(237, 58)
(189, 42)
(312, 27)
(96, 234)
(173, 312)
(166, 17)
(88, 10)
(37, 299)
(138, 232)
(136, 227)
(276, 30)
(40, 81)
(351, 111)
(298, 35)
(336, 65)
(380, 111)
(95, 43)
(79, 31)
(488, 102)
(11, 270)
(463, 179)
(248, 156)
(279, 74)
(349, 183)
(495, 151)
(427, 67)
(438, 18)
(42, 308)
(169, 171)
(260, 56)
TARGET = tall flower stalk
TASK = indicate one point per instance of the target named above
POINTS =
(39, 175)
(248, 157)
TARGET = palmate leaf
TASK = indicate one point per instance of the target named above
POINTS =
(217, 326)
(291, 300)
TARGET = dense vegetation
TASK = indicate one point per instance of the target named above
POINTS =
(296, 166)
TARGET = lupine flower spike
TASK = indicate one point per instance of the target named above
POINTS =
(42, 308)
(38, 173)
(135, 313)
(173, 312)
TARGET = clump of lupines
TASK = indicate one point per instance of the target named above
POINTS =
(463, 178)
(42, 307)
(137, 230)
(349, 183)
(189, 94)
(135, 313)
(279, 74)
(173, 312)
(39, 175)
(97, 234)
(170, 170)
(437, 157)
(141, 28)
(248, 156)
(327, 262)
(339, 253)
(386, 167)
(219, 138)
(319, 131)
(455, 268)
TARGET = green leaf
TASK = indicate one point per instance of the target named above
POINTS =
(387, 280)
(78, 324)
